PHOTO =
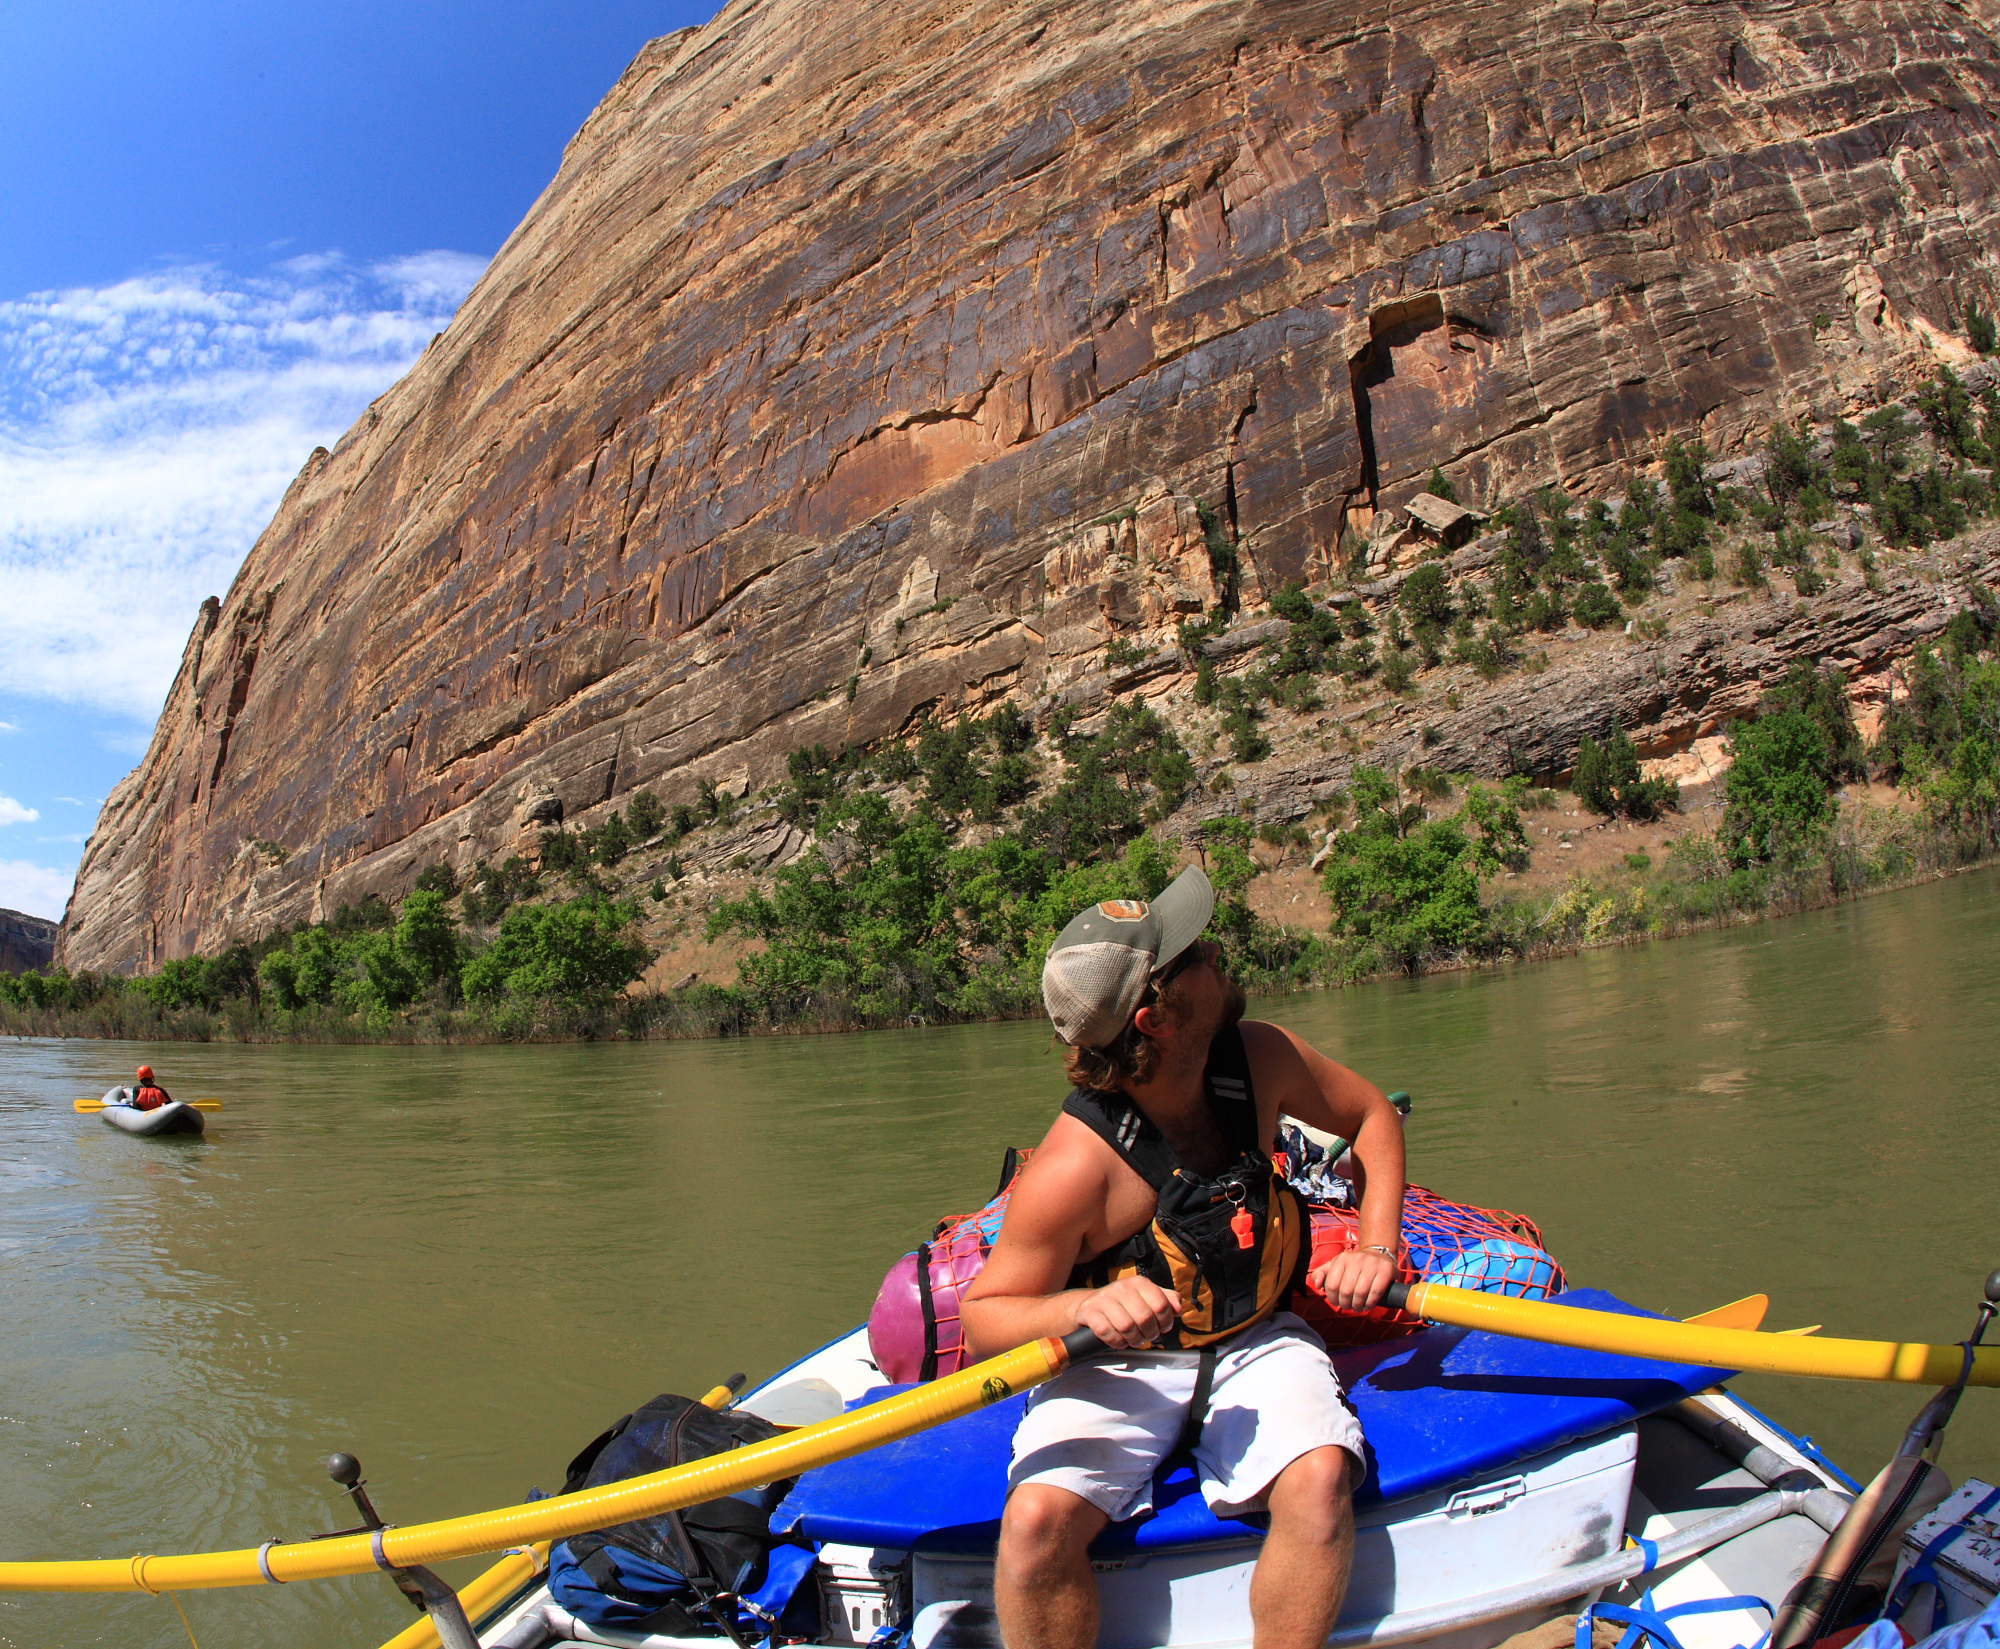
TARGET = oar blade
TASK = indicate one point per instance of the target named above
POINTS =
(1747, 1312)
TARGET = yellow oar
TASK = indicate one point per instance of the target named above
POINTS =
(1695, 1342)
(567, 1514)
(495, 1585)
(198, 1104)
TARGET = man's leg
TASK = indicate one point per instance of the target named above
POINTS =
(1042, 1585)
(1301, 1575)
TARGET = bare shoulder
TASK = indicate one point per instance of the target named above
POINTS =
(1281, 1062)
(1291, 1076)
(1055, 1215)
(1068, 1174)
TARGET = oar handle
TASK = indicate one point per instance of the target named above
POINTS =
(1081, 1343)
(1397, 1296)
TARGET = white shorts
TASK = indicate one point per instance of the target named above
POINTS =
(1101, 1429)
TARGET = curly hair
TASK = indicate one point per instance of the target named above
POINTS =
(1131, 1055)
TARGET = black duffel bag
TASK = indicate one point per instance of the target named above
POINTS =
(684, 1572)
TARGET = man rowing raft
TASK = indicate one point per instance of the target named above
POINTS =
(1152, 1215)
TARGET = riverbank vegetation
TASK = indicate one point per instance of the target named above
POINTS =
(938, 867)
(897, 917)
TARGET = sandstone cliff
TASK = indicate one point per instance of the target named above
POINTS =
(25, 942)
(869, 358)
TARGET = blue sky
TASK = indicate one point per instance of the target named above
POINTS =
(230, 224)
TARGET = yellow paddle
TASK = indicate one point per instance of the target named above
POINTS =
(783, 1456)
(1695, 1342)
(198, 1104)
(517, 1568)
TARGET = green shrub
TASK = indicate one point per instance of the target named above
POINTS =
(198, 982)
(1247, 742)
(437, 878)
(1946, 406)
(1399, 671)
(575, 952)
(1134, 772)
(1748, 568)
(1608, 780)
(1594, 606)
(495, 887)
(1792, 468)
(1425, 599)
(305, 971)
(427, 936)
(645, 815)
(1779, 800)
(1820, 692)
(1685, 464)
(1406, 887)
(611, 840)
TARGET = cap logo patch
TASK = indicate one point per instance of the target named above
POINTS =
(1122, 910)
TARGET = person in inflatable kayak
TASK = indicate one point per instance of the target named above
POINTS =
(1152, 1215)
(149, 1095)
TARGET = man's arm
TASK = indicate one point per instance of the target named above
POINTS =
(1326, 1094)
(1023, 1293)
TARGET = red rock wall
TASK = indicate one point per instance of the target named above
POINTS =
(910, 341)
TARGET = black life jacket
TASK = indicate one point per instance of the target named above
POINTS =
(1231, 1271)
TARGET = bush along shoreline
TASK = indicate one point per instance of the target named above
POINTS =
(941, 864)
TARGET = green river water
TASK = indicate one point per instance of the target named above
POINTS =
(460, 1264)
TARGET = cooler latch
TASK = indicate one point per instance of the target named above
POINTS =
(1488, 1497)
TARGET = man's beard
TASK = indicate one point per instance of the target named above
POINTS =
(1233, 1002)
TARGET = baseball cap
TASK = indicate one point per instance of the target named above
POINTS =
(1098, 968)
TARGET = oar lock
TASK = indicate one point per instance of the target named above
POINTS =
(417, 1583)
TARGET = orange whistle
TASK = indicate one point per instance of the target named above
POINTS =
(1244, 1227)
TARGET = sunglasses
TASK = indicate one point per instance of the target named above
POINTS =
(1202, 950)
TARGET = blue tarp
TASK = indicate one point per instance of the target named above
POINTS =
(1441, 1408)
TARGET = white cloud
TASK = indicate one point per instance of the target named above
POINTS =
(34, 890)
(12, 812)
(8, 727)
(147, 431)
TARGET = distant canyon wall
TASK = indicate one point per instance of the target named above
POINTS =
(26, 942)
(865, 359)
